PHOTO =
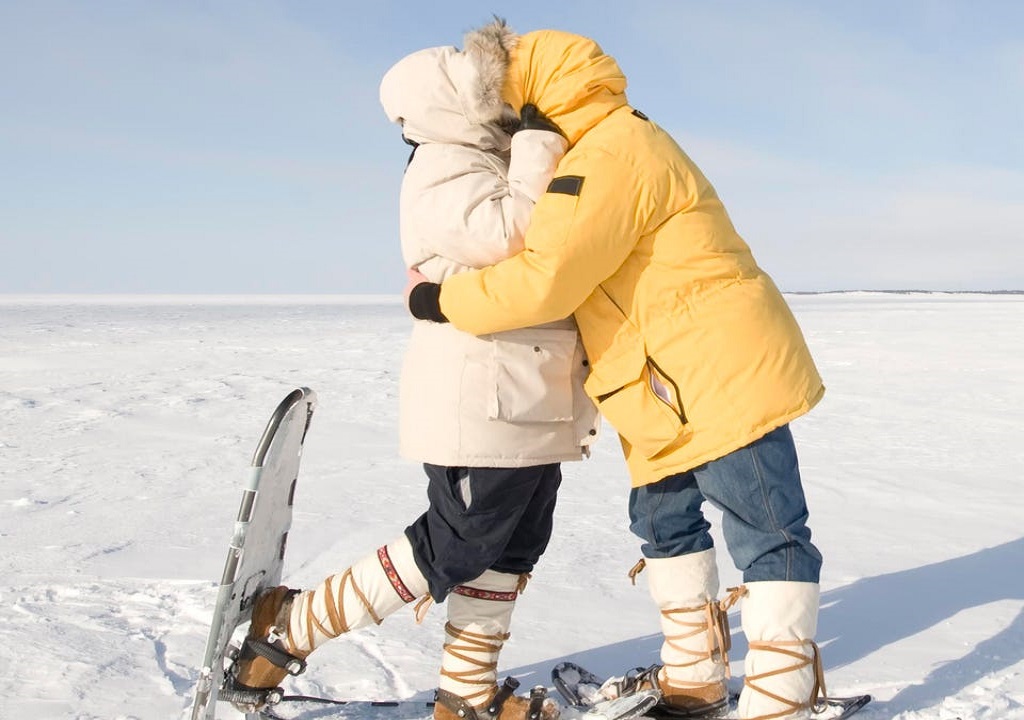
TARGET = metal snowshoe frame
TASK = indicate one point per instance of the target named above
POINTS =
(256, 552)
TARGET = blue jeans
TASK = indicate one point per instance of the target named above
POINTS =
(765, 515)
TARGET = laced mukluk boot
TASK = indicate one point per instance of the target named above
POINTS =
(784, 676)
(694, 652)
(479, 616)
(287, 625)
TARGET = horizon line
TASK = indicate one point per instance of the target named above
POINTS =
(367, 298)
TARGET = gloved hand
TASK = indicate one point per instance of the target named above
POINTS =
(422, 297)
(530, 118)
(413, 277)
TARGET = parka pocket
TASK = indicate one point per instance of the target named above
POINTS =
(643, 405)
(531, 371)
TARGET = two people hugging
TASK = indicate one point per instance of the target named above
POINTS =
(567, 259)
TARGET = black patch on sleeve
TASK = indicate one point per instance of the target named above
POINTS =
(566, 185)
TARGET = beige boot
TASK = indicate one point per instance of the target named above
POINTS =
(299, 622)
(783, 668)
(479, 616)
(696, 629)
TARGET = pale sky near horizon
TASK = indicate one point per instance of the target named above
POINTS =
(239, 146)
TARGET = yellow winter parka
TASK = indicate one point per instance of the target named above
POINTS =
(693, 350)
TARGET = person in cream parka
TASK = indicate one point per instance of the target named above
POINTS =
(490, 417)
(510, 399)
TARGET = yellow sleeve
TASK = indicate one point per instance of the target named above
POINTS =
(575, 241)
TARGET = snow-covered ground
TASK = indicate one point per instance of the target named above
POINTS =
(127, 425)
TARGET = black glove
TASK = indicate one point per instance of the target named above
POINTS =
(425, 302)
(530, 118)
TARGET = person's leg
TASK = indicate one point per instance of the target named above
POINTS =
(765, 515)
(783, 667)
(667, 516)
(683, 581)
(473, 519)
(533, 531)
(455, 540)
(299, 622)
(509, 512)
(764, 521)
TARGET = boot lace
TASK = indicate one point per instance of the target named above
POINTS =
(468, 646)
(712, 622)
(334, 603)
(801, 660)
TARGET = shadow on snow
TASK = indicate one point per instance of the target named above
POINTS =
(870, 614)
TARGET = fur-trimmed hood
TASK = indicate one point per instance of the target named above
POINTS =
(568, 77)
(489, 49)
(443, 94)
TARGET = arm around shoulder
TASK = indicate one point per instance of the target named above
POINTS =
(535, 157)
(581, 233)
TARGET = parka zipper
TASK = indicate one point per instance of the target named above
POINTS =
(664, 377)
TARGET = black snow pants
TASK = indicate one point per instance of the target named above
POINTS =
(483, 518)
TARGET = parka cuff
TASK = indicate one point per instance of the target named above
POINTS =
(425, 302)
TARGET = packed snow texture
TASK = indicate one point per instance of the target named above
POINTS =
(127, 425)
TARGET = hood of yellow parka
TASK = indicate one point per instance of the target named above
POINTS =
(568, 77)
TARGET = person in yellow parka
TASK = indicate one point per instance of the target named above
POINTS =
(696, 360)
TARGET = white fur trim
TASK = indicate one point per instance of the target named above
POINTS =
(488, 50)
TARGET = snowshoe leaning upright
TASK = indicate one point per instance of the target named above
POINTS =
(256, 552)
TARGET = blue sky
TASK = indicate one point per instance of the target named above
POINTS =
(239, 147)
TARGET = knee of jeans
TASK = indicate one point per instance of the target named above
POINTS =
(793, 562)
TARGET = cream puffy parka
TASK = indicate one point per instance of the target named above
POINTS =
(694, 352)
(509, 399)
